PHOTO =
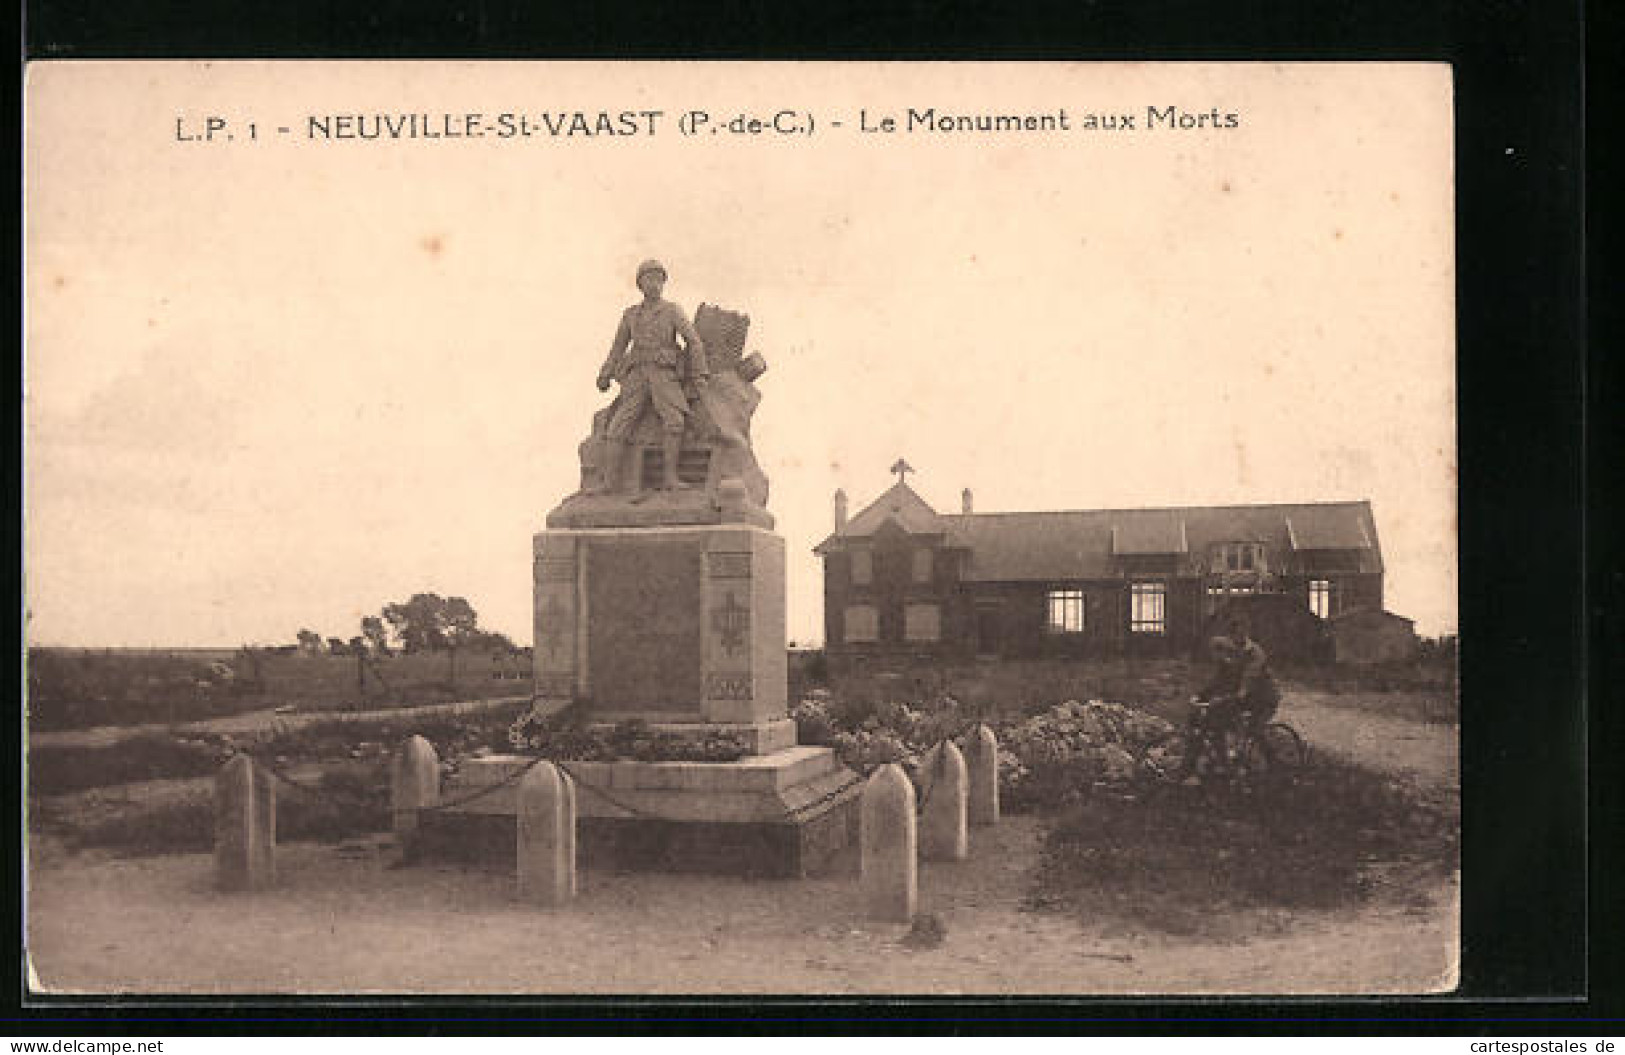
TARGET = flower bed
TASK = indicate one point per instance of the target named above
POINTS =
(1045, 760)
(565, 736)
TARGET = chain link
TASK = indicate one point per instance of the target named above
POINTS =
(612, 800)
(828, 796)
(490, 789)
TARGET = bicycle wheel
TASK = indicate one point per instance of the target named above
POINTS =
(1173, 756)
(1277, 748)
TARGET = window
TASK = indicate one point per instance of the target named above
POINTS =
(1147, 608)
(1239, 556)
(1065, 612)
(861, 623)
(1320, 597)
(863, 567)
(922, 565)
(922, 622)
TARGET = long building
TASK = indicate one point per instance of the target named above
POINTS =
(905, 583)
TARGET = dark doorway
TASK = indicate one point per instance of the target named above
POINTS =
(987, 630)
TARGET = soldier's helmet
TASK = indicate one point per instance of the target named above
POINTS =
(648, 266)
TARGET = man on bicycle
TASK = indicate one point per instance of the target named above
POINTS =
(1242, 690)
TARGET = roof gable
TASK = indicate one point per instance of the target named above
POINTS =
(898, 505)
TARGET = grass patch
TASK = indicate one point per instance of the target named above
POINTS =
(346, 799)
(1184, 860)
(77, 689)
(147, 756)
(142, 757)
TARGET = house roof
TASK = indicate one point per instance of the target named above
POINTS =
(1326, 527)
(1085, 544)
(1146, 532)
(899, 505)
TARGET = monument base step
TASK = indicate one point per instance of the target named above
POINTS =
(782, 815)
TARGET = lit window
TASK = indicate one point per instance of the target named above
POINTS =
(1320, 597)
(922, 622)
(861, 623)
(1147, 611)
(922, 565)
(863, 567)
(1065, 612)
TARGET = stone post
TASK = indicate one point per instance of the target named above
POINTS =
(244, 826)
(982, 757)
(546, 823)
(414, 784)
(942, 821)
(889, 870)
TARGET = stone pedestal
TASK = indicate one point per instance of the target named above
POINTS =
(776, 815)
(244, 826)
(681, 626)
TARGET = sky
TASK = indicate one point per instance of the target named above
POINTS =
(278, 382)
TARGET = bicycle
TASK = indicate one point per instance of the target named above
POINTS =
(1211, 749)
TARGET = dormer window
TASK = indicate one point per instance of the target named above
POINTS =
(1238, 557)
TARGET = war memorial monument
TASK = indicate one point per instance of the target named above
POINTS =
(660, 599)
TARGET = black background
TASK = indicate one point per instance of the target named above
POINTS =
(1524, 392)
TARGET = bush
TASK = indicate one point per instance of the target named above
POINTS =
(1070, 750)
(1184, 859)
(867, 734)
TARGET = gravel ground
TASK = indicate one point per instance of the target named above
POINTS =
(1430, 753)
(341, 920)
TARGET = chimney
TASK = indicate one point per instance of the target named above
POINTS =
(965, 502)
(840, 511)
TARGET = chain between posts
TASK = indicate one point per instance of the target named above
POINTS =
(517, 775)
(828, 796)
(490, 789)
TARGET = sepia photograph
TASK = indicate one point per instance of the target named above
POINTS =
(740, 528)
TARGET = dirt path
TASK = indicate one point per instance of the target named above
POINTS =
(1428, 752)
(258, 721)
(341, 920)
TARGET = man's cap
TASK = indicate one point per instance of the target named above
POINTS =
(651, 265)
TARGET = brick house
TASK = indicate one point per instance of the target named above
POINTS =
(905, 583)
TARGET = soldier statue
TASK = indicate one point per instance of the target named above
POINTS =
(652, 368)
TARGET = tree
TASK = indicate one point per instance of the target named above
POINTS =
(372, 628)
(429, 622)
(337, 647)
(459, 621)
(421, 622)
(310, 642)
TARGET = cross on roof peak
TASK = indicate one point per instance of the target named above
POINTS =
(902, 469)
